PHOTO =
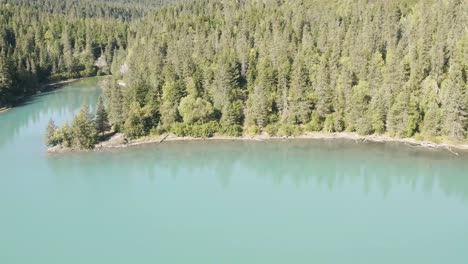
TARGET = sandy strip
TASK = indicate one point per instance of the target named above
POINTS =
(119, 141)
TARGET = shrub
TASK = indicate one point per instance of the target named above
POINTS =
(180, 129)
(271, 129)
(204, 130)
(289, 130)
(232, 130)
(364, 127)
(329, 124)
(251, 130)
(315, 123)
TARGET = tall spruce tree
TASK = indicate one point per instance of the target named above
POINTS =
(101, 117)
(83, 130)
(455, 103)
(50, 138)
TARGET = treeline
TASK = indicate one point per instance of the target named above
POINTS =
(124, 10)
(285, 67)
(48, 40)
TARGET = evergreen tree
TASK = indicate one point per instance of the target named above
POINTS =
(455, 103)
(383, 67)
(83, 130)
(323, 89)
(134, 126)
(5, 81)
(262, 101)
(358, 118)
(101, 119)
(116, 105)
(300, 98)
(50, 138)
(67, 137)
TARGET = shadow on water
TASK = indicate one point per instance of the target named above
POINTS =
(53, 104)
(331, 164)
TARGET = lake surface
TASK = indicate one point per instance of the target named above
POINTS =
(297, 201)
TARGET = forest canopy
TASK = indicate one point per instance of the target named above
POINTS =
(207, 67)
(395, 67)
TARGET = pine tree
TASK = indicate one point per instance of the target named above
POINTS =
(323, 89)
(262, 101)
(300, 99)
(50, 134)
(358, 117)
(134, 126)
(5, 81)
(432, 119)
(116, 105)
(67, 51)
(172, 93)
(101, 118)
(454, 103)
(83, 130)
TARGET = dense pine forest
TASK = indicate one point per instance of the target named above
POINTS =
(245, 67)
(43, 41)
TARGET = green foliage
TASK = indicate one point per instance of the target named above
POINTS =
(205, 130)
(398, 69)
(169, 113)
(83, 130)
(101, 120)
(455, 103)
(315, 123)
(413, 117)
(134, 125)
(299, 101)
(339, 122)
(357, 117)
(265, 84)
(115, 99)
(329, 124)
(251, 130)
(63, 136)
(232, 114)
(378, 125)
(272, 129)
(289, 130)
(180, 129)
(195, 110)
(50, 40)
(66, 136)
(232, 130)
(50, 138)
(5, 81)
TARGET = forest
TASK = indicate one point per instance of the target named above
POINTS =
(245, 67)
(44, 41)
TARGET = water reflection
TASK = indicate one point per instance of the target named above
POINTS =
(381, 168)
(59, 104)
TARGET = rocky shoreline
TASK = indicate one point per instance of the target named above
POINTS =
(4, 109)
(119, 141)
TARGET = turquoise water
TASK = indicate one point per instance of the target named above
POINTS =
(224, 202)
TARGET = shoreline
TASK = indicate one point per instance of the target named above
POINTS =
(118, 141)
(43, 88)
(55, 85)
(4, 109)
